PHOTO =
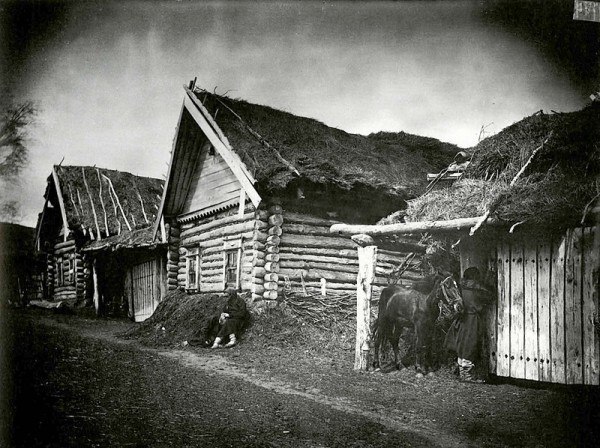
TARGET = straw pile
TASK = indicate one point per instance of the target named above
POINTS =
(553, 192)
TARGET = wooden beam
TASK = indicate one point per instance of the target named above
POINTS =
(367, 260)
(102, 203)
(112, 189)
(408, 227)
(61, 203)
(242, 206)
(186, 165)
(96, 291)
(161, 208)
(230, 157)
(163, 232)
(87, 188)
(217, 130)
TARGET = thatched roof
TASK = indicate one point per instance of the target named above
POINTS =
(556, 189)
(143, 237)
(110, 200)
(273, 144)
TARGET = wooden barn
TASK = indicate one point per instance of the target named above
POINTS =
(252, 191)
(527, 212)
(96, 232)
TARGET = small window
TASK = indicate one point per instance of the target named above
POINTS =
(193, 269)
(231, 268)
(232, 254)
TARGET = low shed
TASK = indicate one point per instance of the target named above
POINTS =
(527, 211)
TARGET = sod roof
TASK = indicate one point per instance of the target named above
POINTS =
(270, 140)
(556, 189)
(117, 199)
(143, 237)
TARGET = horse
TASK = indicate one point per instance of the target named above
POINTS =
(417, 308)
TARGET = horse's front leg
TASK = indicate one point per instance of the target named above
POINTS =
(420, 347)
(395, 339)
(377, 342)
(377, 339)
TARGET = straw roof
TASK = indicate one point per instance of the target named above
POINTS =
(274, 144)
(554, 191)
(143, 237)
(107, 199)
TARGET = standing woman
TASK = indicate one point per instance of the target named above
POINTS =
(468, 328)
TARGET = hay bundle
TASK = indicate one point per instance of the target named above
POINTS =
(554, 189)
(468, 197)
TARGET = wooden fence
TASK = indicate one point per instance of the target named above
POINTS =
(544, 325)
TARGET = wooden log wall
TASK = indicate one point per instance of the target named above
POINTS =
(65, 256)
(50, 274)
(261, 225)
(268, 231)
(546, 316)
(309, 252)
(173, 232)
(209, 234)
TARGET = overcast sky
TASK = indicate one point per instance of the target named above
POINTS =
(108, 79)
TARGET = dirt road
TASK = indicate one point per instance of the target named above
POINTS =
(79, 386)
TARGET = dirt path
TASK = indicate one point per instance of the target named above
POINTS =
(430, 411)
(212, 363)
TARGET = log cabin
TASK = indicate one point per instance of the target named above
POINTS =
(96, 234)
(527, 212)
(251, 192)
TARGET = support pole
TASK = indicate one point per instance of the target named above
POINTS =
(96, 292)
(367, 261)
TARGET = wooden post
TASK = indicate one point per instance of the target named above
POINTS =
(96, 292)
(367, 261)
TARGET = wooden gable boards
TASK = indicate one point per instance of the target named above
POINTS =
(218, 140)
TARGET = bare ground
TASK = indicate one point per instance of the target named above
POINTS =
(306, 364)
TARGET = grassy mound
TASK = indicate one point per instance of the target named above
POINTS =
(302, 327)
(179, 317)
(183, 317)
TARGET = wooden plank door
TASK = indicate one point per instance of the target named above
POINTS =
(590, 312)
(503, 311)
(143, 290)
(557, 310)
(517, 313)
(547, 315)
(543, 310)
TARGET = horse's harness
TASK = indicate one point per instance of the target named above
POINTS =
(450, 303)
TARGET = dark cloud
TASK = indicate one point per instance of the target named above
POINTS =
(108, 76)
(26, 27)
(572, 45)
